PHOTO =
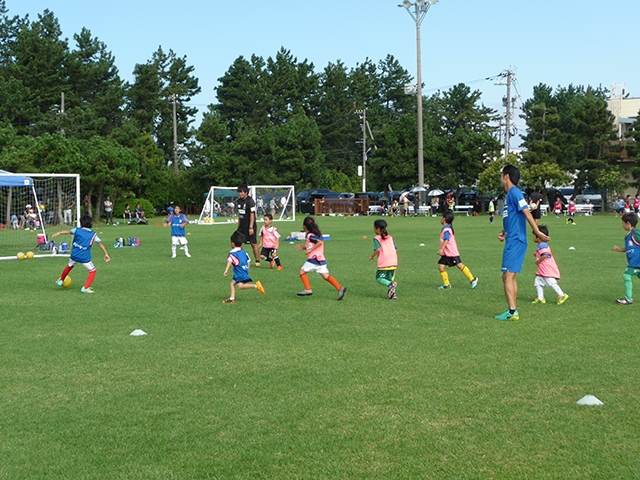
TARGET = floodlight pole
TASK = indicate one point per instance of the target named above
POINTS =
(421, 7)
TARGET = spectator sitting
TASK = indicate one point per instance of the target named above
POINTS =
(140, 216)
(127, 213)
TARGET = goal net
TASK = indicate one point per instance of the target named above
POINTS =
(32, 207)
(278, 200)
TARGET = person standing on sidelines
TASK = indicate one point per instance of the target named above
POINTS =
(108, 210)
(247, 224)
(178, 221)
(515, 217)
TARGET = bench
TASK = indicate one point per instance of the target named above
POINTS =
(463, 208)
(585, 208)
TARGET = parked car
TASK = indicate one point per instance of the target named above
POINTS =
(372, 196)
(590, 193)
(347, 195)
(306, 199)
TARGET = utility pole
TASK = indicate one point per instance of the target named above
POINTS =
(507, 103)
(365, 151)
(174, 98)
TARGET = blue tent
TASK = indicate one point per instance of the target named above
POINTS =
(14, 180)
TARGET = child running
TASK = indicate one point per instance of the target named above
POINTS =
(269, 242)
(385, 249)
(240, 261)
(572, 211)
(83, 240)
(314, 248)
(449, 255)
(632, 249)
(178, 221)
(548, 272)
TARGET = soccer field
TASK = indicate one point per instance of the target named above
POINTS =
(279, 386)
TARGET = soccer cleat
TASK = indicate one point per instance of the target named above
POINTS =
(341, 292)
(260, 287)
(272, 263)
(173, 256)
(394, 297)
(444, 287)
(541, 301)
(87, 290)
(507, 316)
(59, 282)
(624, 301)
(280, 267)
(563, 299)
(257, 263)
(187, 255)
(305, 293)
(474, 283)
(229, 300)
(392, 289)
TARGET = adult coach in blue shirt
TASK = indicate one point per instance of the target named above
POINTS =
(515, 217)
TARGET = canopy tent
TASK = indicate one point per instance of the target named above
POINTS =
(8, 179)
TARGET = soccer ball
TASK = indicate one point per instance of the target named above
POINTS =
(21, 256)
(29, 254)
(67, 282)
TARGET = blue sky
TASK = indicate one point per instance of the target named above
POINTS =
(556, 42)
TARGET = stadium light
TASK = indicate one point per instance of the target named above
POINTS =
(418, 10)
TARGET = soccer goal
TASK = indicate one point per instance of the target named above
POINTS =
(33, 206)
(220, 203)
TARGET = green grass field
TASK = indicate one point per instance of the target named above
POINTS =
(278, 386)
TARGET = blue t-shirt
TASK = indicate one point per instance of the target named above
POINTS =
(514, 222)
(176, 221)
(83, 239)
(632, 248)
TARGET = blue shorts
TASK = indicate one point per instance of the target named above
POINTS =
(244, 279)
(513, 256)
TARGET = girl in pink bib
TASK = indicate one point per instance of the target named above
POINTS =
(385, 249)
(449, 254)
(548, 272)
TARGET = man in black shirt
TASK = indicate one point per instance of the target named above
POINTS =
(247, 219)
(536, 200)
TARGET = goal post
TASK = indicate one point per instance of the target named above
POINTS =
(32, 207)
(219, 203)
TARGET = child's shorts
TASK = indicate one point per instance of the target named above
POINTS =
(541, 281)
(175, 240)
(386, 274)
(313, 267)
(88, 265)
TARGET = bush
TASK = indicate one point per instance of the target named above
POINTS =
(118, 208)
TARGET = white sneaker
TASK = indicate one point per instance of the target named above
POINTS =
(187, 255)
(173, 256)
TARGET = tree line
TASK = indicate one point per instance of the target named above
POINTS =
(275, 121)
